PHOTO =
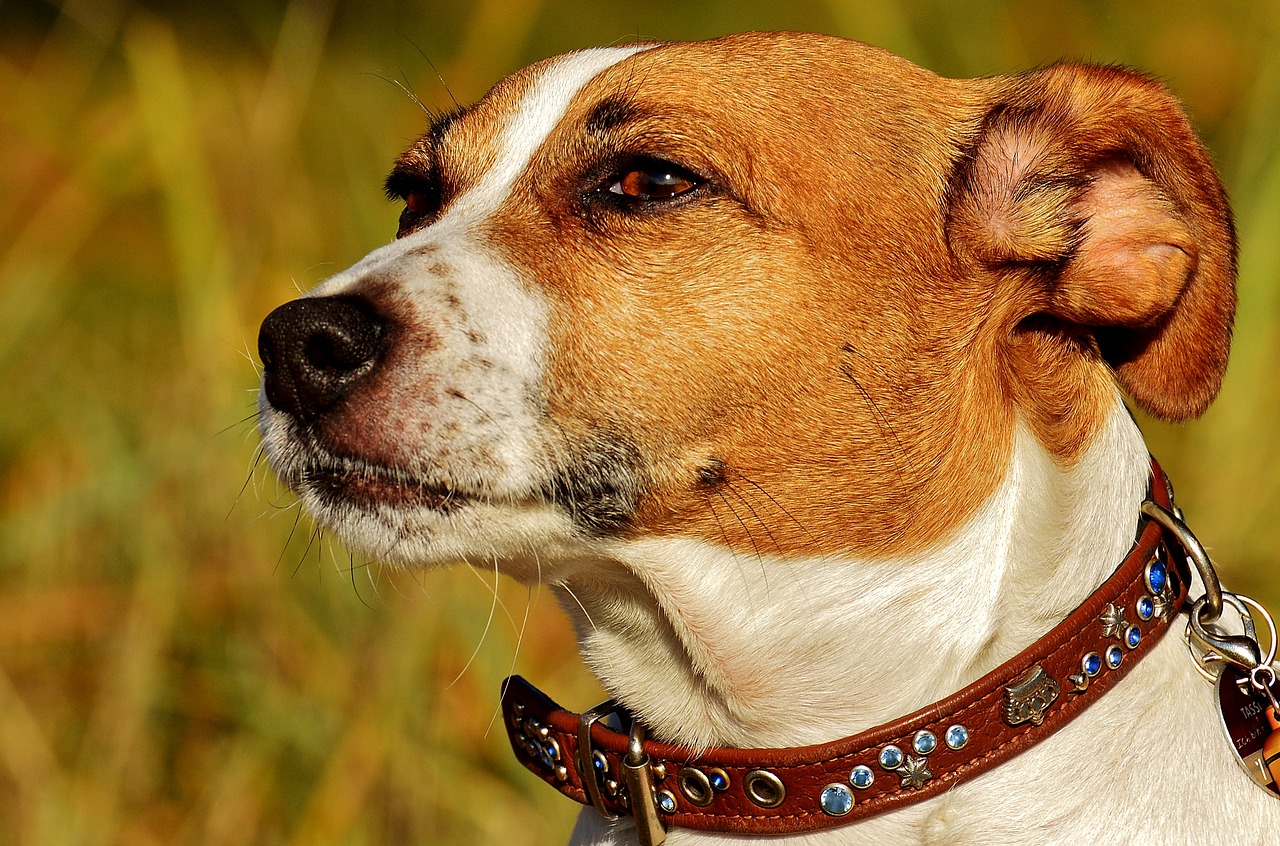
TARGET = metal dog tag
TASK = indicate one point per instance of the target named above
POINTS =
(1244, 716)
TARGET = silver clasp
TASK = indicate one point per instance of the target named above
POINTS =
(644, 799)
(1209, 643)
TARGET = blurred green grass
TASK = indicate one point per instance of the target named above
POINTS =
(181, 663)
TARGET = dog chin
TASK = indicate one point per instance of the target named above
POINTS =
(483, 534)
(400, 520)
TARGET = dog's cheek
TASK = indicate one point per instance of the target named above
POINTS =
(601, 485)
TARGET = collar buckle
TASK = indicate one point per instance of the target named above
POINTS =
(586, 760)
(637, 773)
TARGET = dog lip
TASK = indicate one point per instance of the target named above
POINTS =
(371, 486)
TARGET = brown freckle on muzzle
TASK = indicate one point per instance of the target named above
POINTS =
(425, 250)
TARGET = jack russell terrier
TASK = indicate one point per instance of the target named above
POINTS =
(795, 371)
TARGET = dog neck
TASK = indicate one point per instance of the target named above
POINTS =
(710, 647)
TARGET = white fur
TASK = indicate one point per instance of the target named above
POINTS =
(475, 430)
(711, 647)
(714, 648)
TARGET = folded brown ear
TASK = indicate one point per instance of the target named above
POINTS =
(1090, 183)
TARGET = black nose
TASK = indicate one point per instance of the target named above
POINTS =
(316, 350)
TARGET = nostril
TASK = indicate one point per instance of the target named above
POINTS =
(315, 350)
(337, 349)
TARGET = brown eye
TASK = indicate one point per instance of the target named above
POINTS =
(418, 202)
(652, 180)
(421, 195)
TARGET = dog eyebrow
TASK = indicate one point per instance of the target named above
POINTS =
(611, 113)
(440, 123)
(417, 167)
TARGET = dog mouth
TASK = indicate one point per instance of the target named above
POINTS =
(352, 483)
(598, 487)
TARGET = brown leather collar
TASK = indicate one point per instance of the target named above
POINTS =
(779, 791)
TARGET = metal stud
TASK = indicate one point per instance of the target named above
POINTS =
(562, 773)
(1028, 698)
(1114, 656)
(764, 788)
(957, 737)
(666, 802)
(914, 773)
(924, 742)
(1113, 621)
(1157, 575)
(891, 757)
(836, 800)
(1162, 604)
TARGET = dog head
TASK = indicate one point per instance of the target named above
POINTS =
(774, 280)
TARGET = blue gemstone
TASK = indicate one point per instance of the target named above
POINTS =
(862, 777)
(666, 802)
(1157, 576)
(1146, 608)
(957, 737)
(718, 779)
(924, 742)
(1092, 664)
(836, 800)
(1132, 637)
(1114, 656)
(599, 762)
(891, 757)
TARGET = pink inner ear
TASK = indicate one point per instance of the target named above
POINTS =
(1011, 224)
(1134, 259)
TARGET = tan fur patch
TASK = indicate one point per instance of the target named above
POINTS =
(769, 347)
(827, 346)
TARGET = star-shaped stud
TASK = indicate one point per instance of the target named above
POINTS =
(914, 772)
(1113, 621)
(1162, 603)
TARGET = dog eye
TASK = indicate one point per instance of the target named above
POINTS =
(419, 202)
(420, 206)
(649, 180)
(421, 196)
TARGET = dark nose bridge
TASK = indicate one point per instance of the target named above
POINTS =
(316, 350)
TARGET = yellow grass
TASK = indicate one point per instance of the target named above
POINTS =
(184, 663)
